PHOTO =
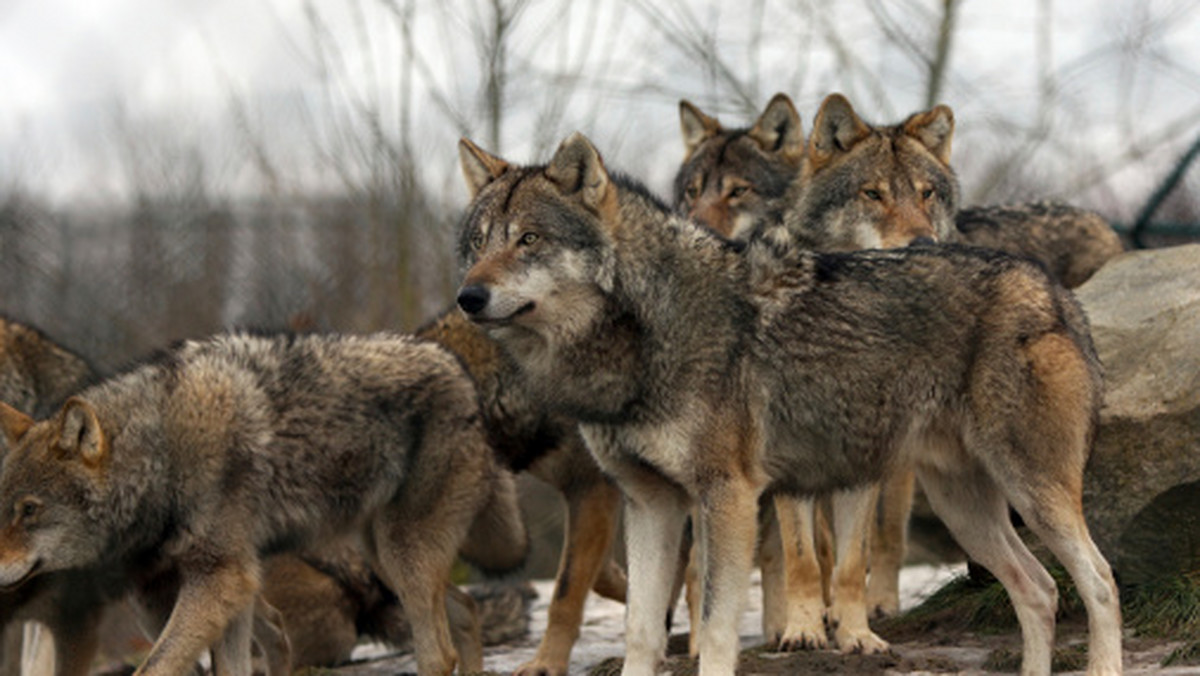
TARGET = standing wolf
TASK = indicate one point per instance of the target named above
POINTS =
(222, 451)
(705, 374)
(859, 190)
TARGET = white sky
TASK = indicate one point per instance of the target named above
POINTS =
(69, 68)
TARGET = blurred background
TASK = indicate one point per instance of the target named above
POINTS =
(169, 169)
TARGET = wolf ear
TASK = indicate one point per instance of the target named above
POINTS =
(836, 129)
(697, 127)
(80, 433)
(15, 423)
(935, 129)
(479, 167)
(778, 128)
(577, 168)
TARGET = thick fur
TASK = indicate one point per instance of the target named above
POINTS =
(329, 602)
(732, 180)
(1072, 243)
(195, 466)
(531, 437)
(36, 373)
(706, 375)
(36, 376)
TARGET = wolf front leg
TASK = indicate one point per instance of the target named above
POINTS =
(852, 511)
(655, 512)
(726, 537)
(206, 604)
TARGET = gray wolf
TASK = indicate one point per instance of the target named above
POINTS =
(219, 452)
(36, 373)
(705, 373)
(731, 180)
(329, 600)
(531, 437)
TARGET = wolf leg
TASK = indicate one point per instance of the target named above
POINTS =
(655, 512)
(728, 527)
(852, 510)
(805, 607)
(971, 505)
(206, 604)
(466, 629)
(889, 535)
(231, 655)
(770, 561)
(590, 528)
(271, 637)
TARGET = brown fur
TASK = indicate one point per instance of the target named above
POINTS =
(707, 374)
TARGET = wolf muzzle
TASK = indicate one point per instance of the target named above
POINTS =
(473, 299)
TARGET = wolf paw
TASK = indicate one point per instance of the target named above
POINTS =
(537, 667)
(866, 643)
(794, 640)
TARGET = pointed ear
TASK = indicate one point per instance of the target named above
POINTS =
(778, 128)
(577, 168)
(15, 423)
(697, 127)
(836, 129)
(935, 129)
(479, 167)
(80, 433)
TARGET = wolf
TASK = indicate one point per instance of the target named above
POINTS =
(531, 437)
(705, 372)
(36, 373)
(197, 464)
(731, 180)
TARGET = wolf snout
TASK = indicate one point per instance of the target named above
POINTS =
(472, 299)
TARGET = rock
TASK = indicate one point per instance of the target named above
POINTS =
(1142, 485)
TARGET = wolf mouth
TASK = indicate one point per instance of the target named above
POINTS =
(33, 570)
(507, 319)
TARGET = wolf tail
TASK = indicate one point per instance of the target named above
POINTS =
(498, 542)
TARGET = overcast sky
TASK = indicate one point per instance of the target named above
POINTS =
(69, 69)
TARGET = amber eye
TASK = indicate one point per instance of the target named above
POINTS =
(873, 195)
(528, 238)
(739, 191)
(28, 508)
(692, 192)
(477, 241)
(927, 193)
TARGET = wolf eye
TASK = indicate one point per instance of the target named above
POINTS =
(477, 241)
(927, 193)
(28, 508)
(739, 191)
(528, 238)
(873, 195)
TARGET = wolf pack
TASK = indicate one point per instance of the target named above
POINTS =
(760, 373)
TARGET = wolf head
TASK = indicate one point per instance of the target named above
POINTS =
(864, 186)
(49, 471)
(732, 179)
(535, 241)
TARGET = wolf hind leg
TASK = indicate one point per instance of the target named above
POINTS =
(972, 506)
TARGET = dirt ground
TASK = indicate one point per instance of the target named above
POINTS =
(942, 650)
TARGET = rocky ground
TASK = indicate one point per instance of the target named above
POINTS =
(945, 650)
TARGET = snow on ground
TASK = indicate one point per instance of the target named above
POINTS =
(603, 632)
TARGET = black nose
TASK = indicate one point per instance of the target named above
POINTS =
(922, 241)
(472, 299)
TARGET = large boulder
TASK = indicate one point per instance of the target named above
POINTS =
(1142, 488)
